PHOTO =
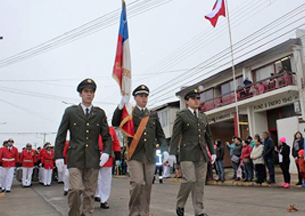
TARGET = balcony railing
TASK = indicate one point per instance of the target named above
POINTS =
(260, 87)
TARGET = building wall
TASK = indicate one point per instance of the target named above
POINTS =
(170, 119)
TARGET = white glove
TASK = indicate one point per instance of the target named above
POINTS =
(165, 156)
(103, 159)
(117, 162)
(60, 164)
(213, 158)
(172, 159)
(125, 100)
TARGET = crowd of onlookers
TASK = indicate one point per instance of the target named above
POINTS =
(252, 157)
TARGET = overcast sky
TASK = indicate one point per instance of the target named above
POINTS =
(34, 92)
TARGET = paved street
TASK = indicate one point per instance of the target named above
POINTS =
(219, 200)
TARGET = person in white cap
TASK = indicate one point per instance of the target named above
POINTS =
(27, 159)
(9, 159)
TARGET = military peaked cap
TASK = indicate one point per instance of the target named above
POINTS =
(142, 89)
(194, 93)
(86, 83)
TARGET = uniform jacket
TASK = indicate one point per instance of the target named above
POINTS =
(152, 132)
(48, 159)
(116, 148)
(83, 150)
(9, 158)
(195, 136)
(28, 158)
(66, 151)
(39, 155)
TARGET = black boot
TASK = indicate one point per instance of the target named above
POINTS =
(105, 205)
(180, 211)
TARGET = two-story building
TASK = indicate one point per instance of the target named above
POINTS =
(270, 87)
(167, 115)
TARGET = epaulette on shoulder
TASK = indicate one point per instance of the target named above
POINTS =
(72, 107)
(182, 111)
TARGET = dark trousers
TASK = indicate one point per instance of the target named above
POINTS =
(220, 170)
(235, 168)
(285, 169)
(299, 173)
(248, 171)
(270, 165)
(159, 171)
(260, 173)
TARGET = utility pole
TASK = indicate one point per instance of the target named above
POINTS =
(44, 138)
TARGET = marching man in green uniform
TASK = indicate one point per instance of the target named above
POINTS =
(192, 132)
(141, 150)
(85, 123)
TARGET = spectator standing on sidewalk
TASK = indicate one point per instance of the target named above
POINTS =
(284, 152)
(268, 156)
(251, 141)
(245, 157)
(298, 144)
(219, 163)
(301, 162)
(258, 161)
(231, 147)
(236, 157)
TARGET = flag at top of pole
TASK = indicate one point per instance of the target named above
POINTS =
(122, 72)
(218, 10)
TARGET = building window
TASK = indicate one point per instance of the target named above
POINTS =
(282, 65)
(206, 95)
(229, 86)
(277, 67)
(263, 73)
(164, 118)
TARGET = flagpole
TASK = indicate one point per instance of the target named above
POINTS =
(233, 68)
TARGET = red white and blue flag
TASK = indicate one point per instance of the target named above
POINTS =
(122, 72)
(218, 10)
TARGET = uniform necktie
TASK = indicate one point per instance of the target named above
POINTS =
(195, 114)
(9, 149)
(87, 111)
(142, 112)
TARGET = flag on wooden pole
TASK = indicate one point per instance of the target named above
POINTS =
(122, 72)
(218, 10)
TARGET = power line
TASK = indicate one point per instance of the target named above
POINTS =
(209, 35)
(178, 55)
(83, 31)
(221, 55)
(28, 111)
(258, 47)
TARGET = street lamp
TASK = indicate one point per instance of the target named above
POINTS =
(1, 37)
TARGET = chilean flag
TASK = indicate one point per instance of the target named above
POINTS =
(218, 10)
(122, 72)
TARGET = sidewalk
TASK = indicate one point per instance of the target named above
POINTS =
(229, 173)
(16, 203)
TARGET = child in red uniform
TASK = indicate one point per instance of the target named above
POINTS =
(301, 162)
